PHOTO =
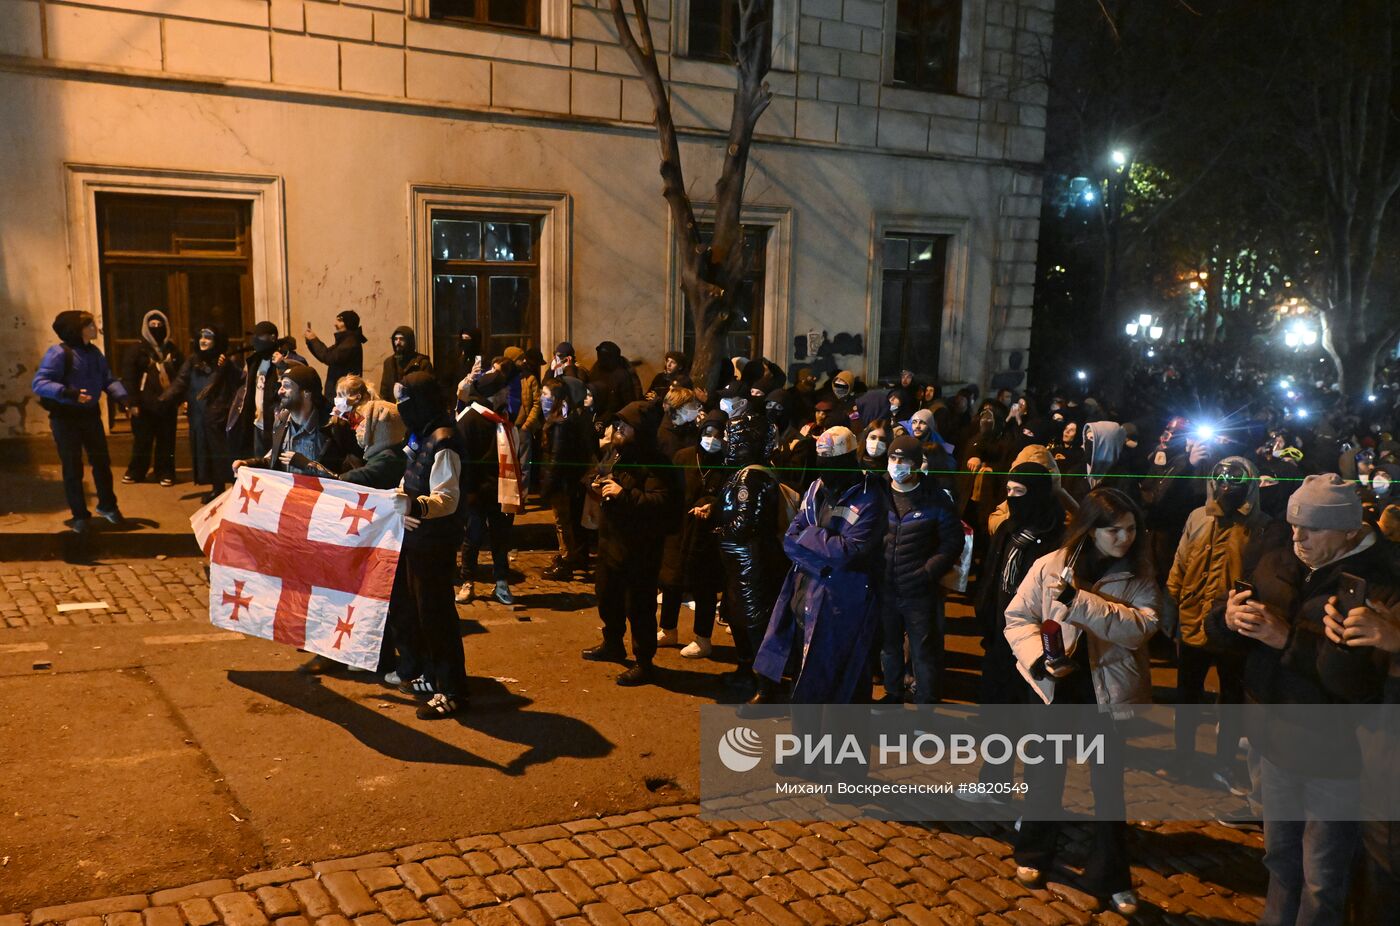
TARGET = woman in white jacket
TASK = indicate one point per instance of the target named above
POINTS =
(1108, 609)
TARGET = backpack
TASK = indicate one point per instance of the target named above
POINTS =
(792, 502)
(53, 406)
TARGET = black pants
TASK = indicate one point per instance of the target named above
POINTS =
(488, 523)
(1378, 884)
(751, 586)
(627, 596)
(921, 621)
(1106, 867)
(75, 433)
(152, 430)
(1193, 663)
(424, 619)
(706, 605)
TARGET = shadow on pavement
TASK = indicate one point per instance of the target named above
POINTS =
(495, 712)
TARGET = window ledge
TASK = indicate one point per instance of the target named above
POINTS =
(549, 46)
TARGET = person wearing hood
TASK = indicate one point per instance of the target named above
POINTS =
(72, 375)
(149, 369)
(639, 499)
(748, 520)
(422, 616)
(691, 564)
(298, 438)
(364, 438)
(1379, 490)
(206, 409)
(1103, 446)
(841, 393)
(1034, 453)
(565, 363)
(801, 397)
(346, 356)
(1210, 557)
(938, 461)
(825, 616)
(675, 367)
(873, 403)
(923, 540)
(987, 453)
(567, 449)
(254, 406)
(792, 457)
(1173, 489)
(460, 359)
(750, 412)
(613, 381)
(486, 518)
(405, 358)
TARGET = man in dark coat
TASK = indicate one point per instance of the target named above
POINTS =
(569, 449)
(639, 499)
(613, 381)
(824, 619)
(923, 540)
(345, 356)
(206, 409)
(72, 376)
(405, 359)
(254, 404)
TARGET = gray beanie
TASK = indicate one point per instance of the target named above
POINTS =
(1325, 503)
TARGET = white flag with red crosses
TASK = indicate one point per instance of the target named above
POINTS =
(304, 561)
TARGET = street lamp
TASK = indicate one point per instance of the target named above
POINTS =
(1120, 158)
(1081, 375)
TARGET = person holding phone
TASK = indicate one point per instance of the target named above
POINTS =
(1099, 587)
(1309, 764)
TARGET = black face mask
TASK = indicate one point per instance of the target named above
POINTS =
(1231, 483)
(263, 344)
(421, 404)
(839, 473)
(157, 333)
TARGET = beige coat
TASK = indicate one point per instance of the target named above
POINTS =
(1033, 453)
(1116, 618)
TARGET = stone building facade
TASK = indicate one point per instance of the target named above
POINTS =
(283, 160)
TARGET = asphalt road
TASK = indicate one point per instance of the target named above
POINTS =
(157, 755)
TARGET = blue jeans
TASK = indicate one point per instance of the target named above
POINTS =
(922, 620)
(1310, 845)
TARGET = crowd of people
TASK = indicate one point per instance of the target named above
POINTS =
(824, 523)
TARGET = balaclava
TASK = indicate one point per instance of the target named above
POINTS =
(836, 459)
(1232, 481)
(1037, 506)
(264, 338)
(420, 403)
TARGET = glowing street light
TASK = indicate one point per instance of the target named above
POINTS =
(1144, 320)
(1155, 332)
(1120, 158)
(1081, 375)
(1089, 196)
(1131, 328)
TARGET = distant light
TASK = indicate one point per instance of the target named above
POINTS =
(1310, 337)
(1195, 285)
(1131, 328)
(1081, 375)
(1205, 432)
(1283, 384)
(1144, 320)
(1302, 413)
(1371, 397)
(1120, 157)
(1203, 275)
(1291, 338)
(1292, 394)
(1155, 332)
(1151, 352)
(1088, 196)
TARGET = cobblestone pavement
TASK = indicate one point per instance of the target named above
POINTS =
(668, 867)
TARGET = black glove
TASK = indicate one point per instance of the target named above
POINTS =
(300, 460)
(71, 392)
(1038, 670)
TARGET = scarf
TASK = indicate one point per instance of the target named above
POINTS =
(510, 479)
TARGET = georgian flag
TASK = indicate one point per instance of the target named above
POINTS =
(304, 561)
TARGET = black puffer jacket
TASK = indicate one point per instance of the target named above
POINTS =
(924, 544)
(345, 356)
(691, 559)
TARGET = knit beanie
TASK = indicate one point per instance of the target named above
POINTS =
(306, 378)
(909, 447)
(1325, 503)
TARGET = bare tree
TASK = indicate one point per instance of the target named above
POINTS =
(710, 273)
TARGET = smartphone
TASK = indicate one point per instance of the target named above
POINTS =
(1242, 586)
(1351, 593)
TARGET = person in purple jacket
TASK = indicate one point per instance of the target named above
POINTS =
(70, 380)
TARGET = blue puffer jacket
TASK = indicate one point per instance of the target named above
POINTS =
(87, 371)
(924, 544)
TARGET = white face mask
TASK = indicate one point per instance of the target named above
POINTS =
(685, 414)
(342, 406)
(710, 444)
(900, 471)
(875, 447)
(1380, 484)
(733, 407)
(840, 389)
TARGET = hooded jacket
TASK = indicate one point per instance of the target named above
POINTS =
(613, 381)
(631, 526)
(71, 367)
(1115, 618)
(569, 445)
(345, 357)
(1033, 453)
(1210, 555)
(413, 362)
(1108, 439)
(149, 367)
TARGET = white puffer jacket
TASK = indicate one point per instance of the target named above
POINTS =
(1116, 618)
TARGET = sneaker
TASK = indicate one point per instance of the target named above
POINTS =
(503, 594)
(419, 687)
(167, 482)
(1125, 902)
(113, 515)
(439, 707)
(208, 497)
(128, 479)
(79, 525)
(465, 592)
(605, 653)
(559, 572)
(392, 679)
(640, 674)
(316, 665)
(1241, 819)
(1027, 875)
(699, 648)
(666, 637)
(1227, 780)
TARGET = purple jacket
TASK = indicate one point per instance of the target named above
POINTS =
(88, 371)
(833, 580)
